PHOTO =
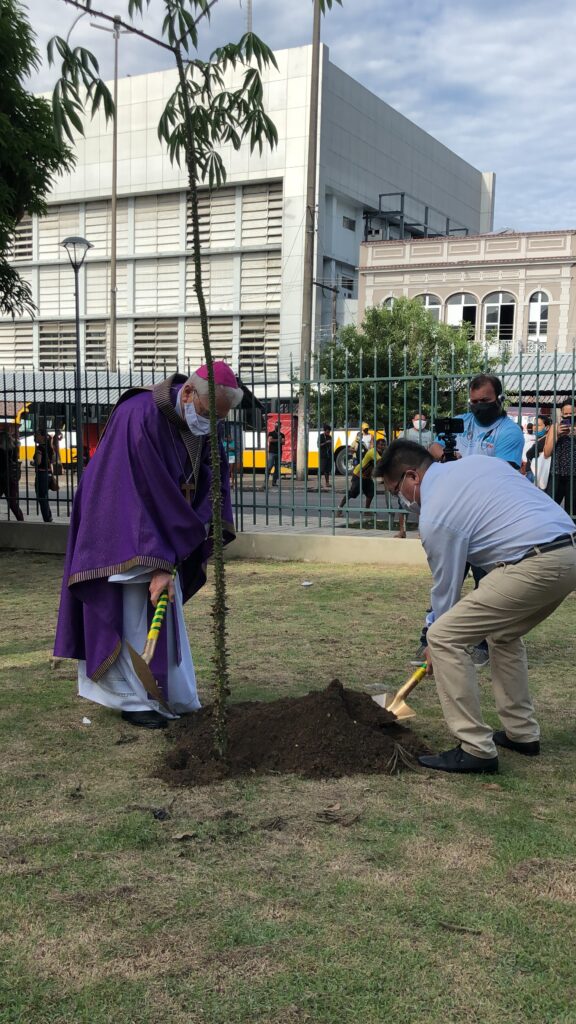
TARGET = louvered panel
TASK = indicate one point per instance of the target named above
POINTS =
(98, 289)
(156, 344)
(168, 299)
(221, 283)
(21, 242)
(220, 331)
(259, 343)
(191, 300)
(57, 345)
(59, 223)
(96, 352)
(217, 214)
(56, 291)
(98, 226)
(157, 223)
(16, 346)
(262, 214)
(157, 286)
(260, 281)
(122, 343)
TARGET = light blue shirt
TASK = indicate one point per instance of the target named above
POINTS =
(483, 512)
(503, 439)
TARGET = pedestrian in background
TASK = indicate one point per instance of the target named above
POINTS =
(43, 459)
(560, 444)
(417, 433)
(537, 464)
(325, 453)
(10, 470)
(276, 441)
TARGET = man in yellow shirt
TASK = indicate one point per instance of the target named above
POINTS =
(361, 478)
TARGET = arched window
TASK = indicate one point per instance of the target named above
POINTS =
(499, 316)
(389, 302)
(461, 309)
(538, 316)
(431, 303)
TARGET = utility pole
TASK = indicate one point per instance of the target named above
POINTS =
(309, 248)
(115, 32)
(248, 15)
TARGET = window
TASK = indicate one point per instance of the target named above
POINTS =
(389, 302)
(347, 284)
(538, 317)
(348, 223)
(260, 281)
(499, 316)
(16, 344)
(431, 303)
(96, 343)
(157, 223)
(461, 309)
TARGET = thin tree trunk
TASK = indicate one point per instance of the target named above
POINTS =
(219, 609)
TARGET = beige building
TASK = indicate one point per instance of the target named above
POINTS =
(518, 290)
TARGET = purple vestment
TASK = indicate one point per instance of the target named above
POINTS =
(129, 510)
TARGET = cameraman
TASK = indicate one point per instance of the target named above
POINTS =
(487, 428)
(471, 511)
(487, 431)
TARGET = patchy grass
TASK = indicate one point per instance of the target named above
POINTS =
(424, 899)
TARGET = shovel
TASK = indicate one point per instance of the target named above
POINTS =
(141, 662)
(395, 703)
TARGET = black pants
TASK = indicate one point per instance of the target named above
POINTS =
(41, 488)
(565, 490)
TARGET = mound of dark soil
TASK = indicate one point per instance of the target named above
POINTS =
(325, 734)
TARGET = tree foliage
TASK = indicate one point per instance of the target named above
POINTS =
(30, 155)
(399, 360)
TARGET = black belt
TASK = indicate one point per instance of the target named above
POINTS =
(564, 541)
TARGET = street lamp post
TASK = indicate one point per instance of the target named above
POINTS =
(77, 249)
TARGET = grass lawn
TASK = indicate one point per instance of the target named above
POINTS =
(419, 898)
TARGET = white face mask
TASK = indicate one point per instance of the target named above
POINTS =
(419, 424)
(199, 425)
(410, 506)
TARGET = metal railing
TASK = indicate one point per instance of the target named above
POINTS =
(269, 489)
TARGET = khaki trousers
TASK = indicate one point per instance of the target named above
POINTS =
(508, 603)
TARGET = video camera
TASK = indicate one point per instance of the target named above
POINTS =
(447, 428)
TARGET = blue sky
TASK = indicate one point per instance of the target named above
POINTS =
(495, 80)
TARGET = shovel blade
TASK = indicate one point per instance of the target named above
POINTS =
(146, 676)
(396, 707)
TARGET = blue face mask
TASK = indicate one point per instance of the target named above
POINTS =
(540, 433)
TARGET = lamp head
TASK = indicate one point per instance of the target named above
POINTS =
(76, 248)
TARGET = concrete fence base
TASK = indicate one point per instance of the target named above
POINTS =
(50, 539)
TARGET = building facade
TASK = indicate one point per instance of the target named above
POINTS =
(253, 229)
(517, 290)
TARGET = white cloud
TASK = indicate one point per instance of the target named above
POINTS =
(495, 82)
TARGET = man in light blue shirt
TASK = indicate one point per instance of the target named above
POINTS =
(483, 512)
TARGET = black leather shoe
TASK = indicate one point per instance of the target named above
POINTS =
(457, 760)
(145, 719)
(531, 749)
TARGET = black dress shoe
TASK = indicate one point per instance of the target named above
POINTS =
(457, 760)
(145, 719)
(530, 749)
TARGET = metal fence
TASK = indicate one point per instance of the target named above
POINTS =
(269, 489)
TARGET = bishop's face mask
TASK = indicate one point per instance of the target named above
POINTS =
(486, 413)
(198, 424)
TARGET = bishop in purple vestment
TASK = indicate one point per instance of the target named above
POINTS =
(142, 511)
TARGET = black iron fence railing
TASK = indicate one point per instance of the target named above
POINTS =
(360, 405)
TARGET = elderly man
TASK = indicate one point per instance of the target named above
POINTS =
(482, 511)
(142, 512)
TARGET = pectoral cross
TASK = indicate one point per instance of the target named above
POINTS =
(188, 490)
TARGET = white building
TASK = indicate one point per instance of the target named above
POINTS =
(253, 228)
